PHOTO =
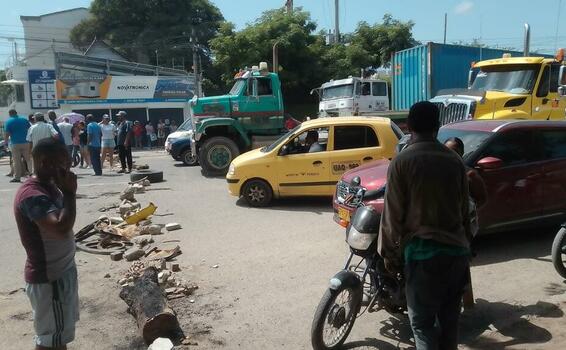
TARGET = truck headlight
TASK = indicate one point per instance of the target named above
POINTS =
(231, 170)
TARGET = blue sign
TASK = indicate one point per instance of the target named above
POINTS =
(42, 88)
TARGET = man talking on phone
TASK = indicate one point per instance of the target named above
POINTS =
(45, 211)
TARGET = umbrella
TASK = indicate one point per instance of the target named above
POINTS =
(73, 117)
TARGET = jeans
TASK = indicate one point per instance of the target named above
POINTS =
(125, 154)
(95, 159)
(434, 289)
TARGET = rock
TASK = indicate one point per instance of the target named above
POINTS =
(175, 267)
(116, 256)
(122, 281)
(115, 220)
(125, 208)
(214, 266)
(151, 230)
(138, 188)
(142, 240)
(163, 276)
(146, 182)
(192, 301)
(163, 264)
(107, 275)
(172, 226)
(134, 254)
(161, 344)
(128, 193)
(145, 222)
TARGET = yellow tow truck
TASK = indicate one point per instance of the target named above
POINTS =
(507, 88)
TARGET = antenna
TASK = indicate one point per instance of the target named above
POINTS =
(557, 25)
(336, 22)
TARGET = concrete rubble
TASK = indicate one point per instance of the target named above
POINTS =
(161, 344)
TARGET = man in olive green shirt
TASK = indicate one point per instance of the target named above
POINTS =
(426, 225)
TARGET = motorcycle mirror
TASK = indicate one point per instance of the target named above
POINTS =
(356, 181)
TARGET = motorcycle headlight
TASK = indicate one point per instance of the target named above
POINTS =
(358, 240)
(231, 170)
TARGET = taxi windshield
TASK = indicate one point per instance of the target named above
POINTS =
(280, 140)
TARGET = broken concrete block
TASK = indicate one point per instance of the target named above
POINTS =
(163, 276)
(107, 275)
(115, 220)
(122, 281)
(146, 182)
(134, 254)
(151, 230)
(125, 208)
(145, 222)
(128, 193)
(172, 226)
(116, 256)
(175, 267)
(142, 240)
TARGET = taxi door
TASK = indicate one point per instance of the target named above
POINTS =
(546, 103)
(352, 146)
(302, 173)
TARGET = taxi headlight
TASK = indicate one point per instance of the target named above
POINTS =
(231, 170)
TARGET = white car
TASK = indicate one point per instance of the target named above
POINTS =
(184, 131)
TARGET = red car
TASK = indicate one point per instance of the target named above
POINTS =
(523, 164)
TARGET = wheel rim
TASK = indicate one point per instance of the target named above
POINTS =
(340, 316)
(256, 193)
(219, 156)
(189, 158)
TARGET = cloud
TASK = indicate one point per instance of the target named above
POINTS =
(464, 7)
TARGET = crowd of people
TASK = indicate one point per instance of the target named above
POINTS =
(89, 143)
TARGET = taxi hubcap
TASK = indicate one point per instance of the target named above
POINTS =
(256, 194)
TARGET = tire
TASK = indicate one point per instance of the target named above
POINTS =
(559, 252)
(188, 159)
(152, 176)
(257, 193)
(327, 309)
(216, 154)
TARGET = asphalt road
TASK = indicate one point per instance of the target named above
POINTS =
(273, 267)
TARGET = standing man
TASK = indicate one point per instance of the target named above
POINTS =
(426, 223)
(125, 131)
(40, 130)
(66, 129)
(45, 210)
(52, 119)
(94, 136)
(16, 130)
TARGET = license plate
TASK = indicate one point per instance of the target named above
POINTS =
(344, 214)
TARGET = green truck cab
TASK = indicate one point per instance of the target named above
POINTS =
(225, 126)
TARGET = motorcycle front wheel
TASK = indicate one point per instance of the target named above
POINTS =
(559, 252)
(335, 317)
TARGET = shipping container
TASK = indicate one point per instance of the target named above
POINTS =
(421, 71)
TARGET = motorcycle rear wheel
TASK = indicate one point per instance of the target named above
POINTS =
(331, 316)
(559, 252)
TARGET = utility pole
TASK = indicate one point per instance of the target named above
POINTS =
(196, 69)
(289, 6)
(336, 22)
(445, 25)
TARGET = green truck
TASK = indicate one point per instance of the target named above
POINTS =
(250, 115)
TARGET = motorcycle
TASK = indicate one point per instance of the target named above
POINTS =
(559, 251)
(364, 284)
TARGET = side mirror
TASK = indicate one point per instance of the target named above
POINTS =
(561, 91)
(284, 150)
(489, 163)
(356, 181)
(562, 81)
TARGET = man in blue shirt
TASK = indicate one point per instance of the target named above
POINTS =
(16, 130)
(94, 135)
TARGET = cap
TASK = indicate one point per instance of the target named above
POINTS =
(121, 113)
(105, 116)
(38, 114)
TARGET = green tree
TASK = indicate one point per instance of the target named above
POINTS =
(5, 90)
(293, 33)
(137, 28)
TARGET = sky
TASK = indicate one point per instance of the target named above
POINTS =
(493, 22)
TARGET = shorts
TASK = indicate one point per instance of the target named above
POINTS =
(55, 307)
(108, 143)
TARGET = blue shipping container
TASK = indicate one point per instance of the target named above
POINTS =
(421, 71)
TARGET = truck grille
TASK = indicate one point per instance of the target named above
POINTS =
(453, 112)
(343, 190)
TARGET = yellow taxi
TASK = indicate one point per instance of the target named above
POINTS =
(310, 159)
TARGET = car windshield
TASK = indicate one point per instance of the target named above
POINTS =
(279, 140)
(472, 139)
(237, 87)
(338, 91)
(186, 126)
(516, 79)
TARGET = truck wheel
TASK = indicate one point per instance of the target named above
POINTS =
(188, 158)
(216, 154)
(257, 193)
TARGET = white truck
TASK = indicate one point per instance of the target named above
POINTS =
(352, 96)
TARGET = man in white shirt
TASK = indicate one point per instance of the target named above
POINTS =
(66, 129)
(40, 130)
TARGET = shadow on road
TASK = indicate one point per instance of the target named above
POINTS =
(317, 205)
(510, 322)
(507, 246)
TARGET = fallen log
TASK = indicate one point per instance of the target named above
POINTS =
(148, 304)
